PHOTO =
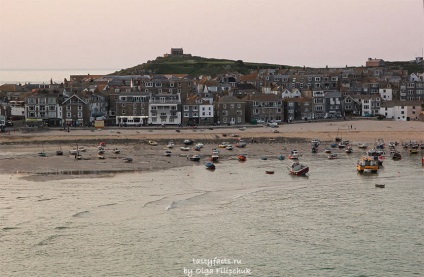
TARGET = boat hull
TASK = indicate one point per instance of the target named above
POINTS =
(300, 172)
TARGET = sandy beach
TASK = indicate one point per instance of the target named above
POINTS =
(20, 150)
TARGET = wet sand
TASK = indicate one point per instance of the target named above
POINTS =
(19, 150)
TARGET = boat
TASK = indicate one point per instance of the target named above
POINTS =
(316, 142)
(78, 157)
(269, 171)
(338, 139)
(241, 144)
(413, 151)
(116, 151)
(281, 157)
(349, 150)
(229, 147)
(214, 158)
(81, 149)
(103, 144)
(170, 144)
(362, 145)
(342, 145)
(101, 156)
(294, 154)
(380, 186)
(200, 145)
(396, 156)
(223, 145)
(367, 163)
(264, 158)
(327, 150)
(298, 169)
(100, 152)
(127, 160)
(197, 148)
(188, 142)
(314, 149)
(73, 151)
(333, 145)
(194, 158)
(378, 154)
(59, 151)
(184, 148)
(42, 154)
(380, 143)
(332, 156)
(210, 166)
(215, 151)
(153, 143)
(168, 153)
(242, 157)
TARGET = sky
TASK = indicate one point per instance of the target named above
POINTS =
(68, 34)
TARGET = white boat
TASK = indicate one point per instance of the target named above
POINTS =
(127, 160)
(116, 151)
(200, 145)
(170, 144)
(194, 158)
(184, 148)
(229, 147)
(168, 153)
(294, 154)
(298, 169)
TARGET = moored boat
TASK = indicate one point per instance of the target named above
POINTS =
(349, 150)
(168, 153)
(127, 160)
(269, 171)
(153, 143)
(214, 158)
(397, 156)
(194, 158)
(184, 148)
(116, 151)
(298, 169)
(362, 145)
(210, 166)
(332, 156)
(242, 158)
(367, 163)
(294, 154)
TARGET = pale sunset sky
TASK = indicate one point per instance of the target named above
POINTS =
(47, 34)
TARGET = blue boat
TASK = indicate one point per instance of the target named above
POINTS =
(210, 166)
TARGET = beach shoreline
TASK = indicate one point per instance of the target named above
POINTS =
(20, 150)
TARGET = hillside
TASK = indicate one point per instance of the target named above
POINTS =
(194, 66)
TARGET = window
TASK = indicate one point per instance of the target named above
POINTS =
(68, 114)
(162, 114)
(171, 85)
(231, 106)
(224, 106)
(225, 113)
(68, 108)
(79, 114)
(123, 112)
(80, 108)
(238, 106)
(239, 119)
(186, 108)
(31, 100)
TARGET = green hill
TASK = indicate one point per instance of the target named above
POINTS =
(194, 66)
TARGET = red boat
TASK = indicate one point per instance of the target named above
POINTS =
(242, 158)
(298, 169)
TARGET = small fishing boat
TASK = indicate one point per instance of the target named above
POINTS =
(223, 145)
(116, 151)
(264, 158)
(168, 153)
(210, 166)
(214, 158)
(349, 150)
(397, 156)
(380, 185)
(332, 156)
(170, 144)
(241, 144)
(73, 151)
(194, 158)
(81, 149)
(294, 155)
(327, 150)
(367, 163)
(298, 169)
(215, 151)
(78, 157)
(229, 147)
(184, 148)
(127, 160)
(101, 156)
(333, 145)
(413, 151)
(269, 171)
(242, 158)
(362, 146)
(200, 145)
(281, 157)
(100, 152)
(59, 151)
(197, 148)
(153, 142)
(188, 142)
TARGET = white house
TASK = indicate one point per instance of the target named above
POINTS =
(386, 94)
(401, 110)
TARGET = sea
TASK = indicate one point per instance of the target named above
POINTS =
(234, 221)
(40, 76)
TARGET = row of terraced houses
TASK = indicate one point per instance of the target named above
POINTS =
(232, 99)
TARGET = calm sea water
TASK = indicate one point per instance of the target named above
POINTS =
(38, 76)
(333, 223)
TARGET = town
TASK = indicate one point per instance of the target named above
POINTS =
(272, 95)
